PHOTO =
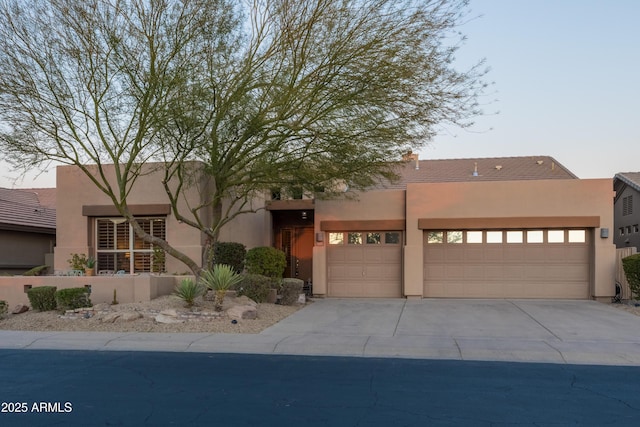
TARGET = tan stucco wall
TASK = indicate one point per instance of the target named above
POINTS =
(73, 229)
(503, 199)
(129, 288)
(371, 206)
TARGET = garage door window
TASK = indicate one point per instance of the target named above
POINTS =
(374, 238)
(392, 238)
(514, 236)
(454, 236)
(369, 238)
(555, 236)
(435, 236)
(474, 236)
(535, 236)
(336, 238)
(494, 236)
(354, 238)
(577, 236)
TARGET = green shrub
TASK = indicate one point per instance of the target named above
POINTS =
(4, 309)
(77, 261)
(290, 291)
(72, 298)
(230, 253)
(220, 279)
(42, 298)
(256, 286)
(266, 261)
(631, 265)
(158, 260)
(36, 271)
(188, 291)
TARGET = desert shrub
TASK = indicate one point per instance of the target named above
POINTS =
(256, 286)
(220, 279)
(77, 261)
(290, 291)
(266, 261)
(631, 266)
(230, 253)
(36, 271)
(72, 298)
(158, 259)
(188, 291)
(42, 298)
(4, 309)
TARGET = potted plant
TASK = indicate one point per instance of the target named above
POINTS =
(90, 265)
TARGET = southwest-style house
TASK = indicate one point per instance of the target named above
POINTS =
(511, 227)
(626, 208)
(27, 228)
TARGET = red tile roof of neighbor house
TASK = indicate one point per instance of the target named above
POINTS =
(33, 208)
(479, 169)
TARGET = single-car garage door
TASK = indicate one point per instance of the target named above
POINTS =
(365, 264)
(549, 263)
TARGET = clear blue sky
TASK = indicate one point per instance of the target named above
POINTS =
(567, 84)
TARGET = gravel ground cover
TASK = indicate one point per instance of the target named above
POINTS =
(268, 314)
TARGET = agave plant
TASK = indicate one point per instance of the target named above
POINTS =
(219, 280)
(188, 291)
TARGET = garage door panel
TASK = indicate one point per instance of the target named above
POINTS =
(507, 270)
(473, 271)
(434, 253)
(474, 253)
(535, 253)
(454, 272)
(366, 270)
(342, 289)
(513, 253)
(493, 253)
(435, 272)
(454, 253)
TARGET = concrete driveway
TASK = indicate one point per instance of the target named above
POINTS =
(566, 332)
(555, 331)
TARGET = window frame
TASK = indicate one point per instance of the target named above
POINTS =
(136, 253)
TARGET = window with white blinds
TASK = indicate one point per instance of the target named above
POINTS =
(119, 249)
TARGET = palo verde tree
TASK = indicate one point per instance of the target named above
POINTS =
(255, 95)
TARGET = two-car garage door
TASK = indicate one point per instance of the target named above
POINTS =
(493, 263)
(546, 263)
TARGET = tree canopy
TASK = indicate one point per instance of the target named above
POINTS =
(262, 93)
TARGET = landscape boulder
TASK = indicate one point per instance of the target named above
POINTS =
(20, 308)
(239, 312)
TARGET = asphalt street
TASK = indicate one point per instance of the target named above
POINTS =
(89, 388)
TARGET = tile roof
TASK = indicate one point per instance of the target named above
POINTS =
(632, 179)
(28, 209)
(488, 169)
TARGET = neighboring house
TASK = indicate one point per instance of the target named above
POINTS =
(27, 228)
(626, 208)
(511, 227)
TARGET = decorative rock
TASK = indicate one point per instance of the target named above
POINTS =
(111, 317)
(245, 300)
(171, 312)
(103, 306)
(20, 308)
(129, 316)
(163, 318)
(242, 312)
